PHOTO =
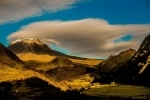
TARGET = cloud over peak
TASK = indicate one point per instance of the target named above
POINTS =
(13, 10)
(87, 37)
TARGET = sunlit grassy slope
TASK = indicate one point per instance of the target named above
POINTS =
(90, 62)
(36, 61)
(10, 74)
(35, 57)
(46, 58)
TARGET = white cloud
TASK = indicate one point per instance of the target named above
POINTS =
(14, 10)
(87, 37)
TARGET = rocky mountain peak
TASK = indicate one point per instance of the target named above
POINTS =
(145, 46)
(32, 45)
(28, 40)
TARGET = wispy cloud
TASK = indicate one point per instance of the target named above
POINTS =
(86, 37)
(14, 10)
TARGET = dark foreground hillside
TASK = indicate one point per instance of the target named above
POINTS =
(37, 89)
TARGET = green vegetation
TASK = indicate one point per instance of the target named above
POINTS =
(134, 92)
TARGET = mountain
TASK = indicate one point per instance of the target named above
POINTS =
(145, 46)
(115, 62)
(30, 48)
(32, 45)
(12, 68)
(136, 70)
(54, 65)
(9, 60)
(32, 51)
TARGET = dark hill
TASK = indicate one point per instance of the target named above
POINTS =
(34, 89)
(61, 68)
(68, 73)
(137, 69)
(9, 59)
(115, 62)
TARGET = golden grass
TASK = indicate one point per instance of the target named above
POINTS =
(90, 62)
(79, 83)
(10, 74)
(83, 81)
(31, 56)
(47, 58)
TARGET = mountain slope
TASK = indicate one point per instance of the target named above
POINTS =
(9, 59)
(12, 68)
(61, 68)
(37, 89)
(136, 70)
(57, 62)
(114, 62)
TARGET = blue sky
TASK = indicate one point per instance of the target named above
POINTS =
(114, 12)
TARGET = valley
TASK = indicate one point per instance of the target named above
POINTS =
(30, 70)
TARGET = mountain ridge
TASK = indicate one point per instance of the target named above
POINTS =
(136, 70)
(8, 58)
(114, 62)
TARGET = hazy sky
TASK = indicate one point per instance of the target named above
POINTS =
(88, 28)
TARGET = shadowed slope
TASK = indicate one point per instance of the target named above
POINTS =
(114, 62)
(136, 70)
(9, 59)
(61, 68)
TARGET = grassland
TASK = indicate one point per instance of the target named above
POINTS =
(35, 57)
(46, 58)
(126, 91)
(90, 62)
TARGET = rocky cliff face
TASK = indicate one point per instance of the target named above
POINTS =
(145, 46)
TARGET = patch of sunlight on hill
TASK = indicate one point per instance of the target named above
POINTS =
(83, 81)
(31, 56)
(11, 74)
(90, 62)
